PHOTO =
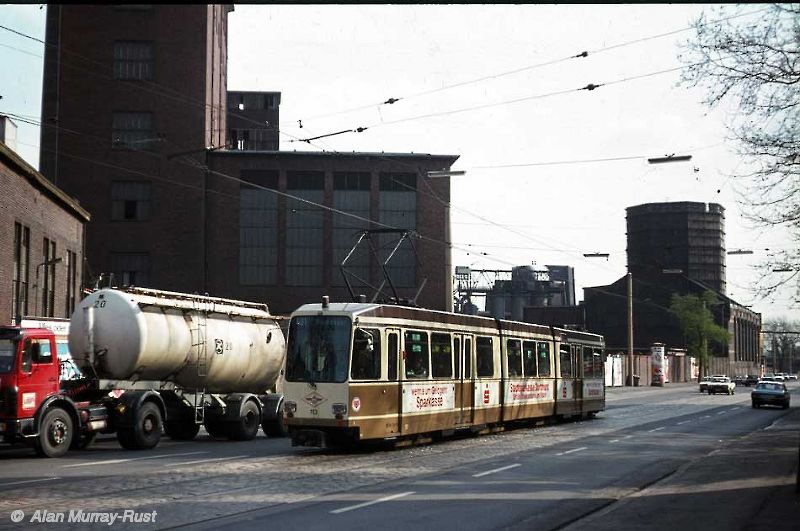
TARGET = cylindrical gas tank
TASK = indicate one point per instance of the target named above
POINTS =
(197, 342)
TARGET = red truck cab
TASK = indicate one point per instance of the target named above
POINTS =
(29, 380)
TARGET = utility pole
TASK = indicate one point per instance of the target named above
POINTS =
(630, 327)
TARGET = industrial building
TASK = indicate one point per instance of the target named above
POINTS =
(187, 187)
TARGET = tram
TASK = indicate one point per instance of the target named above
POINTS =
(368, 372)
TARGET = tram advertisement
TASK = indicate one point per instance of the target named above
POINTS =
(428, 397)
(593, 389)
(529, 392)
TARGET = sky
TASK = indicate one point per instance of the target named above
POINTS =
(496, 85)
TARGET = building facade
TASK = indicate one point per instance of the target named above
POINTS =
(41, 244)
(184, 181)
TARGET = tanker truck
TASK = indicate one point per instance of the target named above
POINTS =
(150, 361)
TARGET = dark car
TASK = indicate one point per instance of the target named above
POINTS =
(770, 393)
(750, 379)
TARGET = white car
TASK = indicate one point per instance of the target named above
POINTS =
(721, 384)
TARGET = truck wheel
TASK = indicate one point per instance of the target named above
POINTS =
(83, 441)
(276, 427)
(55, 433)
(246, 427)
(184, 430)
(215, 429)
(146, 431)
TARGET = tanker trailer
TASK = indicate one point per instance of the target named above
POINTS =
(158, 358)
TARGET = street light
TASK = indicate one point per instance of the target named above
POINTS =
(52, 261)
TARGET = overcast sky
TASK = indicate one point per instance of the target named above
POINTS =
(334, 65)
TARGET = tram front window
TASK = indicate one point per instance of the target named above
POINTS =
(318, 349)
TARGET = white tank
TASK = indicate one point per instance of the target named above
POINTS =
(197, 342)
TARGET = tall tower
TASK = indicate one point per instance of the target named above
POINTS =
(684, 236)
(133, 96)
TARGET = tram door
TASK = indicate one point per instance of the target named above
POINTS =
(577, 373)
(393, 365)
(462, 349)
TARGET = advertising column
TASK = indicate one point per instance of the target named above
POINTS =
(657, 356)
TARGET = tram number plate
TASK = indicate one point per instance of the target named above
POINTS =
(314, 412)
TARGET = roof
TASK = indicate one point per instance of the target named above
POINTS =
(9, 157)
(332, 154)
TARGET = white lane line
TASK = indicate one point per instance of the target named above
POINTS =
(573, 450)
(628, 437)
(495, 470)
(656, 429)
(721, 412)
(116, 461)
(684, 422)
(373, 502)
(706, 416)
(734, 408)
(26, 481)
(614, 440)
(216, 459)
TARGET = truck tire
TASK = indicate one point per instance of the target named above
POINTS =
(55, 433)
(275, 427)
(216, 429)
(181, 430)
(246, 427)
(146, 431)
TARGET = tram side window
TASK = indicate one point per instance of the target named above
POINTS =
(468, 358)
(543, 361)
(529, 358)
(588, 363)
(514, 356)
(366, 354)
(565, 360)
(441, 356)
(457, 357)
(392, 348)
(416, 355)
(598, 362)
(485, 357)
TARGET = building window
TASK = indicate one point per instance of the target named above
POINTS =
(258, 228)
(398, 208)
(351, 195)
(304, 226)
(257, 101)
(133, 60)
(48, 277)
(72, 282)
(130, 200)
(132, 130)
(21, 271)
(131, 269)
(253, 139)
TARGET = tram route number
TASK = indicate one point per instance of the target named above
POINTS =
(486, 396)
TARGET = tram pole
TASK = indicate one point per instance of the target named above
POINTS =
(630, 328)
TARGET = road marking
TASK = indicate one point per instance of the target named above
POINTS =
(656, 429)
(26, 481)
(706, 416)
(684, 422)
(721, 412)
(628, 437)
(116, 461)
(573, 450)
(373, 502)
(614, 440)
(208, 460)
(495, 470)
(734, 408)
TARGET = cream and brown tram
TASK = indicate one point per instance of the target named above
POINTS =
(367, 372)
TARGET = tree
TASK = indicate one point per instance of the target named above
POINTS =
(753, 58)
(781, 339)
(697, 324)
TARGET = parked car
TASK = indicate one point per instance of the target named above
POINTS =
(770, 393)
(721, 384)
(793, 377)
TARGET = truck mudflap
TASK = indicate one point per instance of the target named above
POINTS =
(128, 404)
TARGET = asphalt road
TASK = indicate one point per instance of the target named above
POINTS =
(550, 477)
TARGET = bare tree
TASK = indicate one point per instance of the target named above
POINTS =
(752, 57)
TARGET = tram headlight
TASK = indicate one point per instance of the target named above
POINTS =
(339, 410)
(289, 408)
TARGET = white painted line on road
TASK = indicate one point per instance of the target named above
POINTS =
(573, 450)
(373, 502)
(116, 461)
(734, 408)
(656, 429)
(495, 470)
(26, 481)
(216, 459)
(684, 422)
(614, 440)
(721, 412)
(706, 416)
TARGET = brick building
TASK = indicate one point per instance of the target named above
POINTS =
(41, 244)
(137, 125)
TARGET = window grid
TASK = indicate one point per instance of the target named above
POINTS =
(133, 60)
(132, 130)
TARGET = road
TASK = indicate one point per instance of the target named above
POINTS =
(650, 447)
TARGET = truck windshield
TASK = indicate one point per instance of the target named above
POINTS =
(8, 348)
(318, 349)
